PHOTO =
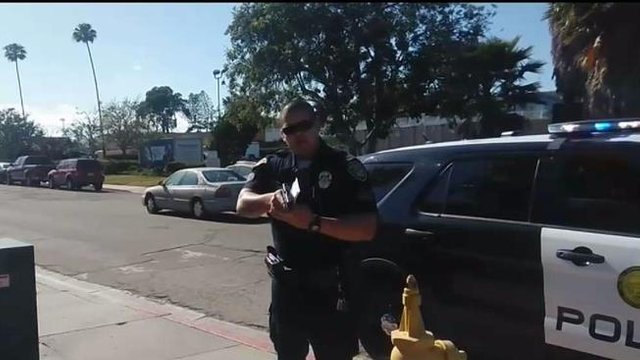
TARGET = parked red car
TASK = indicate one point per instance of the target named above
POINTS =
(76, 173)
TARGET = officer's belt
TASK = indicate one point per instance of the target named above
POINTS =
(326, 277)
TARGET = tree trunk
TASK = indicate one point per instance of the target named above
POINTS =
(95, 81)
(20, 88)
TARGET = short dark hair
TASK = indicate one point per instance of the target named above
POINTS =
(297, 105)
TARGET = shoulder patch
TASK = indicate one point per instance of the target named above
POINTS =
(356, 169)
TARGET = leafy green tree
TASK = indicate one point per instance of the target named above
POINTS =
(201, 111)
(84, 134)
(356, 61)
(14, 52)
(595, 59)
(160, 107)
(123, 125)
(18, 135)
(242, 120)
(487, 82)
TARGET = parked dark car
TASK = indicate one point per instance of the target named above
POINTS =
(3, 172)
(524, 247)
(76, 173)
(29, 170)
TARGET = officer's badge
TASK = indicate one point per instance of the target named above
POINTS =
(324, 179)
(357, 170)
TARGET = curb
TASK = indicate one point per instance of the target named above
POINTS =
(240, 334)
(124, 189)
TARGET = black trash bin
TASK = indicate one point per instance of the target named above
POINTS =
(18, 307)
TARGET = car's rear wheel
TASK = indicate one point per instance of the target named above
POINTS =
(197, 209)
(97, 187)
(150, 204)
(52, 183)
(70, 184)
(30, 181)
(9, 181)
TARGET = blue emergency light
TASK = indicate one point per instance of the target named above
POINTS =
(595, 126)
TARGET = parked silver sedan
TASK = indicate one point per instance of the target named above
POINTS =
(197, 191)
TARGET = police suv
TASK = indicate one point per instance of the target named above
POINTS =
(525, 247)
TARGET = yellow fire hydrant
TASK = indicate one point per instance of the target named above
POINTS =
(411, 341)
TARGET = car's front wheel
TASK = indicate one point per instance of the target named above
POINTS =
(52, 183)
(150, 204)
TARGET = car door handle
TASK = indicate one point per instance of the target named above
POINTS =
(580, 256)
(417, 233)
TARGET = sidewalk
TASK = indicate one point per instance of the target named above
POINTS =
(84, 321)
(125, 188)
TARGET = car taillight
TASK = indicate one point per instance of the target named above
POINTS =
(223, 192)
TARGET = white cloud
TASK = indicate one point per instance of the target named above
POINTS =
(49, 118)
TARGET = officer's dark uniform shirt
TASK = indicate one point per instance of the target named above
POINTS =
(333, 185)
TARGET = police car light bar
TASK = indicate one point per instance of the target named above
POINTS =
(595, 126)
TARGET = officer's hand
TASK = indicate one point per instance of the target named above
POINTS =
(277, 202)
(300, 216)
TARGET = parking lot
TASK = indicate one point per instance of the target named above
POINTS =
(214, 266)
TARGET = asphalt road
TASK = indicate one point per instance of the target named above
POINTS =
(214, 266)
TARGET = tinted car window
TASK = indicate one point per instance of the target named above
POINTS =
(384, 176)
(599, 191)
(37, 160)
(498, 188)
(221, 176)
(88, 165)
(174, 179)
(436, 194)
(189, 179)
(243, 170)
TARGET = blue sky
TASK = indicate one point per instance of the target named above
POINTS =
(144, 45)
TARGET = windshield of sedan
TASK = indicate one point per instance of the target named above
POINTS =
(222, 176)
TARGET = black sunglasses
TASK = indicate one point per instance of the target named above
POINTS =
(302, 126)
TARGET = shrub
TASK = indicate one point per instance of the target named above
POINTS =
(172, 167)
(112, 167)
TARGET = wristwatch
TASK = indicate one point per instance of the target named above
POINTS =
(314, 225)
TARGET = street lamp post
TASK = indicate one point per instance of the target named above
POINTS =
(217, 74)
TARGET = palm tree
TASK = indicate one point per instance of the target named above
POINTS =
(14, 52)
(594, 58)
(86, 34)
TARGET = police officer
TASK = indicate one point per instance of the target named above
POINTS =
(334, 209)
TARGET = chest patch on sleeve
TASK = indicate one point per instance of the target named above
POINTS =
(324, 179)
(357, 170)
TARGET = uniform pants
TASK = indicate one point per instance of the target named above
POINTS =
(302, 315)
